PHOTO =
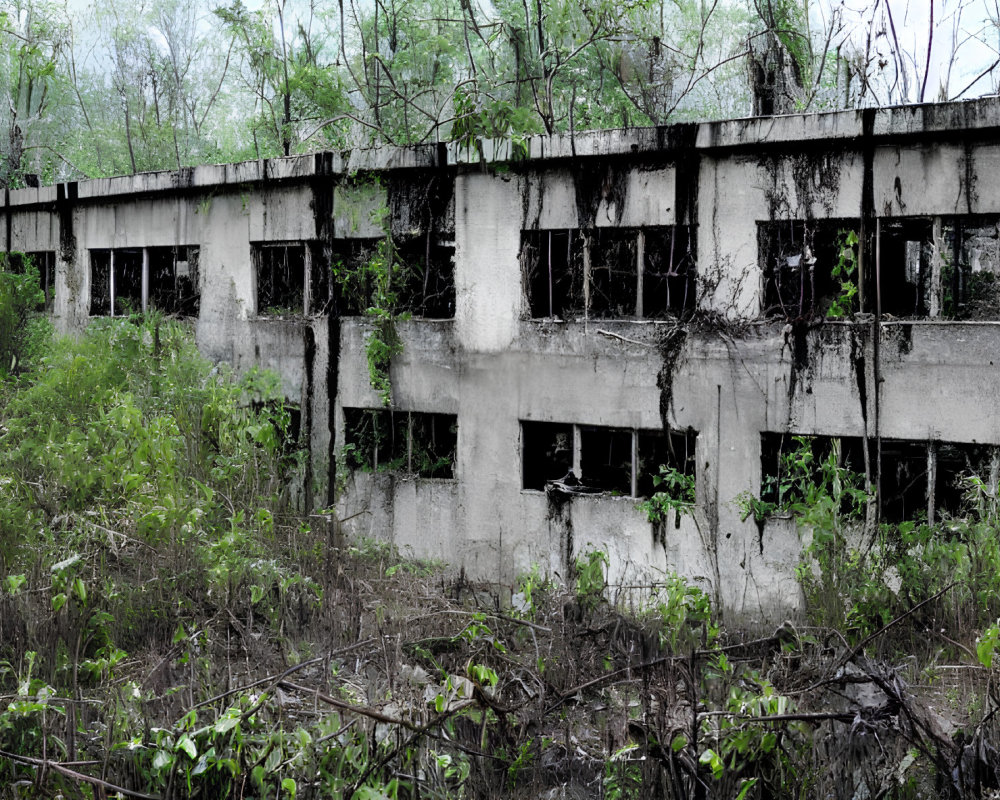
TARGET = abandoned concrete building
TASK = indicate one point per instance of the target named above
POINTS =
(606, 303)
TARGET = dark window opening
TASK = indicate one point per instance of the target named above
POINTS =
(280, 270)
(424, 277)
(552, 269)
(383, 440)
(126, 288)
(606, 459)
(789, 462)
(616, 460)
(552, 263)
(613, 281)
(353, 284)
(970, 266)
(668, 282)
(954, 465)
(44, 262)
(675, 450)
(905, 251)
(173, 280)
(903, 482)
(546, 453)
(375, 439)
(798, 260)
(100, 283)
(433, 443)
(130, 280)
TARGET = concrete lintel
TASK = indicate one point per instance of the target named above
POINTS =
(31, 196)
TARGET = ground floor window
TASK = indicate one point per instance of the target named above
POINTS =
(129, 280)
(622, 461)
(414, 442)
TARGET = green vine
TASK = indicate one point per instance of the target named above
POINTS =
(846, 272)
(369, 285)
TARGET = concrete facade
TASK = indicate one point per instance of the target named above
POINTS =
(606, 287)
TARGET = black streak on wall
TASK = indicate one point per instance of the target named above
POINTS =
(322, 205)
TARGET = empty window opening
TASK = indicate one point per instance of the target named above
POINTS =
(424, 277)
(613, 273)
(656, 449)
(904, 263)
(606, 459)
(131, 280)
(668, 281)
(799, 260)
(126, 282)
(602, 459)
(353, 283)
(44, 262)
(100, 283)
(790, 464)
(546, 453)
(919, 480)
(903, 482)
(383, 440)
(552, 269)
(970, 265)
(280, 270)
(609, 273)
(173, 280)
(433, 441)
(954, 466)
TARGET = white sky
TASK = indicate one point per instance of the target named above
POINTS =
(966, 37)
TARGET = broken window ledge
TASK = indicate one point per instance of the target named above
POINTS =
(401, 475)
(584, 492)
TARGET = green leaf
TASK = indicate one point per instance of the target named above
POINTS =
(14, 583)
(678, 743)
(162, 760)
(58, 601)
(288, 786)
(746, 786)
(712, 760)
(186, 744)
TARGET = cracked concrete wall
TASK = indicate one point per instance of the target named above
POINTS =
(732, 377)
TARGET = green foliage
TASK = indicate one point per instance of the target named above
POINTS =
(24, 331)
(845, 271)
(808, 487)
(683, 614)
(591, 580)
(675, 492)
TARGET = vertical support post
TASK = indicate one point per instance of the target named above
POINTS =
(111, 279)
(936, 307)
(577, 439)
(145, 279)
(931, 479)
(306, 279)
(640, 263)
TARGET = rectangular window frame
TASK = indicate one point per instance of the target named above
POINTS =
(576, 433)
(116, 261)
(303, 278)
(937, 494)
(564, 278)
(400, 455)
